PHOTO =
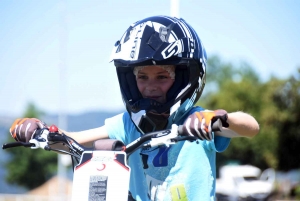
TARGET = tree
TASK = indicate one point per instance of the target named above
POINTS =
(27, 167)
(274, 104)
(236, 88)
(287, 100)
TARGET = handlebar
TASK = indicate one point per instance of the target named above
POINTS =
(39, 140)
(166, 137)
(46, 137)
(17, 144)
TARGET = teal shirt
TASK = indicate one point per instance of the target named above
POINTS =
(184, 171)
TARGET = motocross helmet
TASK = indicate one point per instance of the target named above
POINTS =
(160, 40)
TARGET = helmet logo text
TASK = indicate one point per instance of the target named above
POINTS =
(137, 30)
(172, 49)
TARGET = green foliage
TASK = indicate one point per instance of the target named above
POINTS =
(274, 104)
(27, 167)
(33, 112)
(297, 191)
(287, 100)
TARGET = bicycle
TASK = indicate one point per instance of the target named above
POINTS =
(100, 170)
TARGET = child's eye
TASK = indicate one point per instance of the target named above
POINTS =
(162, 77)
(142, 77)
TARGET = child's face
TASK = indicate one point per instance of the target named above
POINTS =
(154, 82)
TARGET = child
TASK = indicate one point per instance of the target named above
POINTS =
(161, 67)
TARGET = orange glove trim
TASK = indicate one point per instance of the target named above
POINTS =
(208, 116)
(16, 123)
(22, 121)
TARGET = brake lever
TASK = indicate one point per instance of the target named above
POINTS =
(166, 139)
(39, 139)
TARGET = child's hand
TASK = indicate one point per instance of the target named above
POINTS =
(23, 129)
(199, 123)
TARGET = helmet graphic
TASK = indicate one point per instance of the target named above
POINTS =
(161, 40)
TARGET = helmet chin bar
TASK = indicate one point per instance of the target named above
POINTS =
(177, 111)
(139, 119)
(149, 105)
(145, 120)
(141, 108)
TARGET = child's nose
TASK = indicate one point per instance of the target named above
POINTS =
(152, 85)
(152, 88)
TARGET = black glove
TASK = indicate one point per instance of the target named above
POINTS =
(23, 129)
(199, 123)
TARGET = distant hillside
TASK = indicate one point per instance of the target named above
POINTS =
(75, 123)
(82, 121)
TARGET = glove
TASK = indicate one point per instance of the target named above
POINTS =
(23, 129)
(199, 123)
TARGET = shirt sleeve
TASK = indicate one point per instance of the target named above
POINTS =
(118, 127)
(221, 143)
(114, 127)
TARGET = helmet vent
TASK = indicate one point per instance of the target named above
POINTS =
(155, 42)
(164, 32)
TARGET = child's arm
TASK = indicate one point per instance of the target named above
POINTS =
(240, 125)
(235, 124)
(87, 137)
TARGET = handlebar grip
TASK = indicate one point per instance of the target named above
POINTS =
(217, 125)
(16, 144)
(109, 145)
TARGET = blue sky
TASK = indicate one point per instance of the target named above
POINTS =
(263, 33)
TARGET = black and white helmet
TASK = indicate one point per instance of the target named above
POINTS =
(161, 40)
